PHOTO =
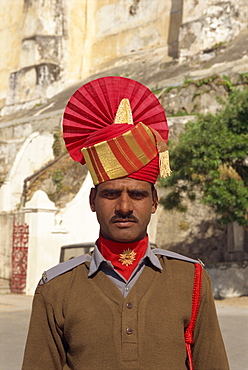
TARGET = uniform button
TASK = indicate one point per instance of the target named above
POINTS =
(127, 288)
(129, 305)
(129, 331)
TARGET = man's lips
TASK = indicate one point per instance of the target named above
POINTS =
(124, 223)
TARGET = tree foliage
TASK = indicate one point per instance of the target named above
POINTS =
(212, 157)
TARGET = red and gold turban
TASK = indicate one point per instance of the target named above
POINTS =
(118, 128)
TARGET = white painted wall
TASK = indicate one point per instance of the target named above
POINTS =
(42, 253)
(78, 218)
(49, 230)
(35, 152)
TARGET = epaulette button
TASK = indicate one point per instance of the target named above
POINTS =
(201, 262)
(44, 276)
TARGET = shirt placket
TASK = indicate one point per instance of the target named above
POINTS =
(129, 329)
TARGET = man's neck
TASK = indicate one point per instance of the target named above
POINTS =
(118, 247)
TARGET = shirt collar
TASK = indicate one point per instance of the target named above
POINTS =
(153, 258)
(97, 259)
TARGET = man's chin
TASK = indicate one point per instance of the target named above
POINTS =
(125, 237)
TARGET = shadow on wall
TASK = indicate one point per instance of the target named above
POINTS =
(209, 248)
(229, 279)
(176, 16)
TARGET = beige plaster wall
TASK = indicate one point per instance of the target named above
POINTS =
(47, 45)
(79, 29)
(10, 41)
(131, 41)
(78, 36)
(102, 31)
(207, 23)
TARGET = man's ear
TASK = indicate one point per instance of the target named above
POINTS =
(92, 199)
(155, 200)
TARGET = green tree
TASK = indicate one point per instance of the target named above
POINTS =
(211, 157)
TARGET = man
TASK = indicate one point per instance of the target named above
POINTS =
(125, 306)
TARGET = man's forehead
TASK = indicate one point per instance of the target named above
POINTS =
(125, 183)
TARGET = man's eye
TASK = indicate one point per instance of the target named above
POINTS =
(137, 195)
(110, 195)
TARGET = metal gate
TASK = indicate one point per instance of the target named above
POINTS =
(19, 254)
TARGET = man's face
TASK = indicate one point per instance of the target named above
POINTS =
(123, 208)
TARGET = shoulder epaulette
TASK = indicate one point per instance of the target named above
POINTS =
(63, 267)
(170, 254)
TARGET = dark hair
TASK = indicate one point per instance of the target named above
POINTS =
(153, 187)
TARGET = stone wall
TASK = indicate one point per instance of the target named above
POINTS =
(48, 45)
(13, 133)
(33, 154)
(229, 279)
(40, 59)
(207, 23)
(6, 227)
(129, 30)
(8, 152)
(61, 42)
(204, 95)
(195, 233)
(10, 42)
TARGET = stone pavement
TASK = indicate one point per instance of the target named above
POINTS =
(233, 318)
(14, 319)
(15, 312)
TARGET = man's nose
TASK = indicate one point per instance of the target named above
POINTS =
(124, 204)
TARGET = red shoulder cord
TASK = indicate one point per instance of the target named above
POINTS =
(189, 332)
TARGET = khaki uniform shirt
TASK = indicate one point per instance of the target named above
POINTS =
(82, 320)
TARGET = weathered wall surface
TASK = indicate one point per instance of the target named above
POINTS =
(8, 151)
(229, 279)
(201, 96)
(195, 233)
(6, 227)
(34, 152)
(61, 42)
(50, 44)
(207, 23)
(129, 30)
(10, 42)
(37, 69)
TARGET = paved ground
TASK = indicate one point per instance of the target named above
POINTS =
(14, 320)
(15, 312)
(233, 317)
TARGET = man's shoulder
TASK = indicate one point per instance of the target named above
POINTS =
(63, 267)
(174, 256)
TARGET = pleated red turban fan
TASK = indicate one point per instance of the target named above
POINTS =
(118, 128)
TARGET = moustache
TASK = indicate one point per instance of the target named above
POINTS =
(117, 218)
